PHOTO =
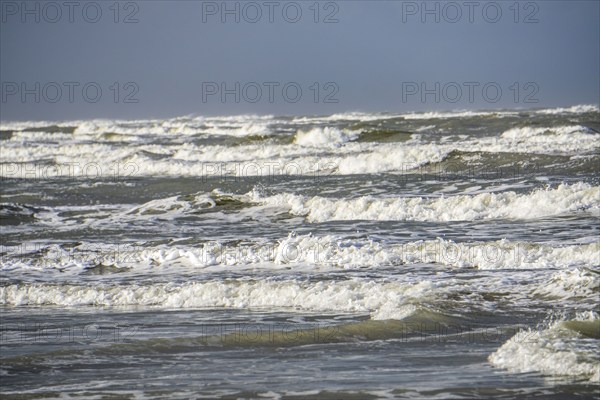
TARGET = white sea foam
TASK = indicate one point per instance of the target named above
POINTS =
(501, 254)
(359, 116)
(235, 119)
(573, 283)
(348, 116)
(40, 136)
(181, 124)
(241, 125)
(506, 205)
(561, 139)
(96, 127)
(324, 136)
(357, 296)
(556, 350)
(578, 109)
(389, 157)
(381, 298)
(455, 114)
(21, 125)
(246, 129)
(529, 132)
(219, 160)
(174, 205)
(315, 149)
(308, 253)
(97, 143)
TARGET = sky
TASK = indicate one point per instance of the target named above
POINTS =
(63, 60)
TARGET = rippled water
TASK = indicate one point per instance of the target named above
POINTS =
(426, 255)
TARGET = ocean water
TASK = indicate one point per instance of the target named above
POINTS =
(417, 255)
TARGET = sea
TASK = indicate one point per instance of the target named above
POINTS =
(417, 255)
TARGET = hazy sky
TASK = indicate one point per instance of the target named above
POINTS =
(143, 59)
